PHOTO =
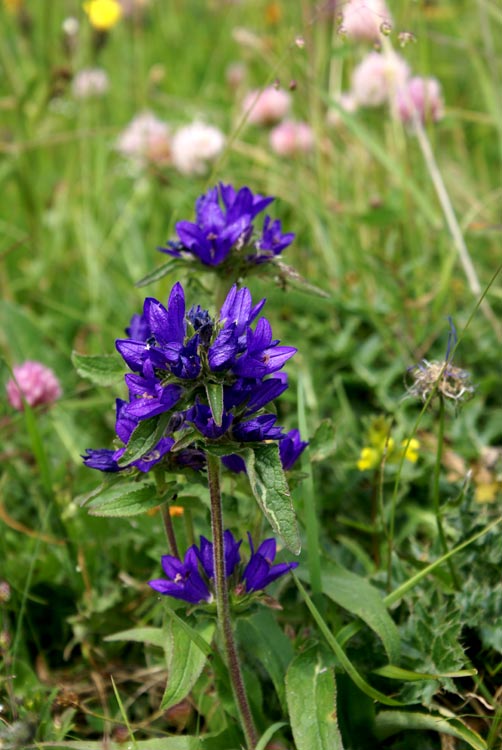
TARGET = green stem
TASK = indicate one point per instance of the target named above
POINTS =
(166, 516)
(223, 604)
(435, 492)
(169, 529)
(309, 503)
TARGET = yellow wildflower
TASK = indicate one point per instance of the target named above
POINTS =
(103, 14)
(368, 459)
(411, 449)
(381, 446)
(176, 510)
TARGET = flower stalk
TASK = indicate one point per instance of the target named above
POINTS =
(223, 604)
(435, 493)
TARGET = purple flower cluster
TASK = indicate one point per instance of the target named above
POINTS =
(224, 230)
(192, 580)
(178, 358)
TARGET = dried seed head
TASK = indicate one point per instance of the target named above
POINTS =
(442, 378)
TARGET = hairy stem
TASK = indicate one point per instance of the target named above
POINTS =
(223, 604)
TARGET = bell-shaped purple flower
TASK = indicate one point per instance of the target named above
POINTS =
(291, 446)
(260, 571)
(224, 228)
(192, 580)
(101, 459)
(232, 554)
(183, 579)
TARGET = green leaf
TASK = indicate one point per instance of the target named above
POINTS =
(214, 393)
(271, 490)
(158, 273)
(355, 594)
(154, 636)
(124, 499)
(311, 696)
(406, 675)
(340, 654)
(265, 641)
(145, 437)
(185, 661)
(388, 723)
(105, 369)
(166, 743)
(268, 734)
(322, 445)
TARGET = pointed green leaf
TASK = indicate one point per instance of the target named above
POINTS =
(264, 639)
(340, 654)
(105, 369)
(214, 393)
(271, 490)
(145, 437)
(268, 734)
(355, 594)
(406, 675)
(155, 636)
(158, 273)
(311, 696)
(185, 661)
(125, 499)
(388, 723)
(214, 741)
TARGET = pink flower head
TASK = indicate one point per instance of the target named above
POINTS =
(421, 98)
(266, 107)
(146, 140)
(378, 77)
(35, 382)
(195, 145)
(363, 19)
(291, 138)
(90, 82)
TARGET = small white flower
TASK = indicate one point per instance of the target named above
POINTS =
(378, 77)
(146, 140)
(194, 145)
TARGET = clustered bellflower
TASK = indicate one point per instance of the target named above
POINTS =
(176, 357)
(224, 230)
(192, 580)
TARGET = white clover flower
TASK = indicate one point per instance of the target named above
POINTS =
(378, 77)
(146, 140)
(194, 146)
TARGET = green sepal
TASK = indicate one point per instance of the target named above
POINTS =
(158, 273)
(214, 392)
(146, 435)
